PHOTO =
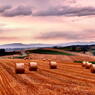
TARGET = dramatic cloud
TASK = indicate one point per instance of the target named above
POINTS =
(67, 11)
(47, 21)
(47, 8)
(18, 11)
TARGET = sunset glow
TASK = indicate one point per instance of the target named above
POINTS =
(47, 21)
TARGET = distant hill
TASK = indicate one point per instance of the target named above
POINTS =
(75, 43)
(20, 45)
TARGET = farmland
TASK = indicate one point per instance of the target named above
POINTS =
(69, 78)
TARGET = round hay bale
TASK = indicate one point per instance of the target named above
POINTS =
(53, 65)
(93, 68)
(88, 65)
(84, 63)
(25, 58)
(49, 60)
(20, 69)
(33, 66)
(44, 59)
(30, 57)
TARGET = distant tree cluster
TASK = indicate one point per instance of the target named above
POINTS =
(3, 52)
(75, 48)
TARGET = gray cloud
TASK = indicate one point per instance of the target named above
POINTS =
(67, 11)
(57, 35)
(18, 11)
(69, 35)
(4, 8)
(45, 8)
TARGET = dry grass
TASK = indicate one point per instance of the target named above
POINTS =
(69, 79)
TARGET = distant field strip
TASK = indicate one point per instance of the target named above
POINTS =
(42, 51)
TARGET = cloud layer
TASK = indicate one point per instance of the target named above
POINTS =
(19, 11)
(47, 21)
(4, 8)
(67, 35)
(8, 38)
(9, 11)
(67, 11)
(47, 8)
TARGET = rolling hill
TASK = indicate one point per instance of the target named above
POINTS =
(69, 78)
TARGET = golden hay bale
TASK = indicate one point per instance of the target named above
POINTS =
(49, 60)
(33, 66)
(30, 58)
(84, 63)
(53, 65)
(93, 68)
(88, 65)
(44, 59)
(25, 58)
(20, 68)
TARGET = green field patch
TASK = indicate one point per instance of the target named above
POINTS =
(82, 61)
(19, 57)
(42, 51)
(78, 61)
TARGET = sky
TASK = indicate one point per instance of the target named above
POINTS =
(47, 21)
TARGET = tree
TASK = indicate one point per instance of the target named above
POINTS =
(2, 52)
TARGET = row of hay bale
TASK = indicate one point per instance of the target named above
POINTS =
(29, 58)
(89, 65)
(33, 66)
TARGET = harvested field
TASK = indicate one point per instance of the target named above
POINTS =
(68, 79)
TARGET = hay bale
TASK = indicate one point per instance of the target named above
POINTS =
(53, 65)
(93, 68)
(44, 59)
(25, 58)
(49, 60)
(30, 57)
(88, 65)
(84, 63)
(20, 68)
(33, 66)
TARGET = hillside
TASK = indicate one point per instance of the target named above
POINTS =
(20, 45)
(69, 79)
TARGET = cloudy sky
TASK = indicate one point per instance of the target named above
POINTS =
(47, 21)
